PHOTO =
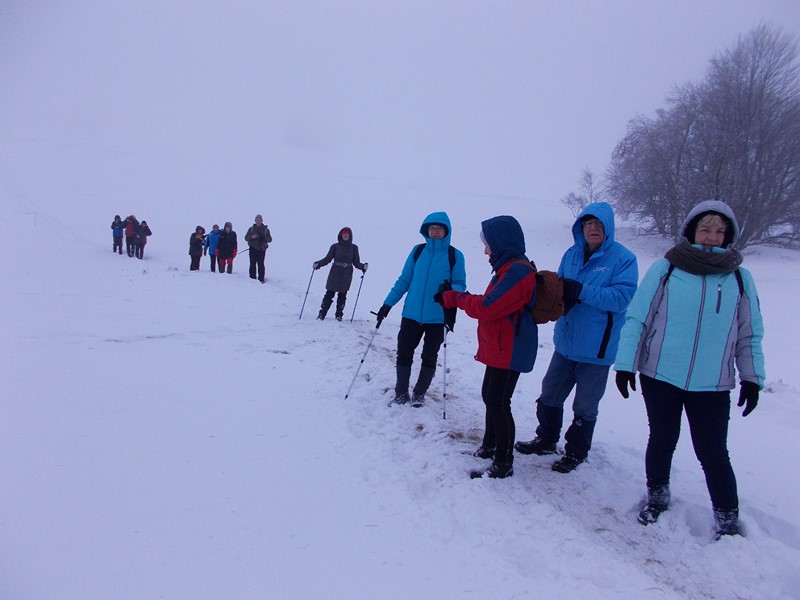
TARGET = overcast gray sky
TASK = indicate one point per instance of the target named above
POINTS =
(491, 98)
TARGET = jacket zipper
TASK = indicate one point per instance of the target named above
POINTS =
(719, 296)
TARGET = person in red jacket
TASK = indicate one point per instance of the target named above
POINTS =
(507, 336)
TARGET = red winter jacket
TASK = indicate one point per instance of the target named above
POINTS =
(507, 336)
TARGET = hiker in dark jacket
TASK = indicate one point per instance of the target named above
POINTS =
(140, 239)
(130, 234)
(227, 248)
(344, 255)
(258, 238)
(600, 277)
(425, 269)
(695, 315)
(117, 233)
(507, 336)
(211, 244)
(196, 241)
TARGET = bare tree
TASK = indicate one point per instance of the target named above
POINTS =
(734, 137)
(587, 187)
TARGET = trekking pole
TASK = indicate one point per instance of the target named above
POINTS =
(444, 368)
(357, 295)
(308, 288)
(363, 358)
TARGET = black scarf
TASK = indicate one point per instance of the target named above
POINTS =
(699, 262)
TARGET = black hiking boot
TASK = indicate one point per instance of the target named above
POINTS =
(417, 400)
(727, 522)
(536, 446)
(338, 318)
(321, 316)
(400, 398)
(567, 463)
(483, 452)
(495, 471)
(657, 503)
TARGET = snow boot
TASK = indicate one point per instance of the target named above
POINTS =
(423, 383)
(401, 387)
(495, 471)
(567, 463)
(483, 452)
(536, 446)
(340, 302)
(727, 522)
(229, 269)
(657, 503)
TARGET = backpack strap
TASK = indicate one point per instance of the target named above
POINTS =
(451, 255)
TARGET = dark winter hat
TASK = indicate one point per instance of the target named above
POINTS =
(588, 217)
(117, 218)
(348, 231)
(228, 224)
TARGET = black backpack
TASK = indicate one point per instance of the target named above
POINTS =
(451, 254)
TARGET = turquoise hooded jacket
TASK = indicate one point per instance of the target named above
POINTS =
(421, 279)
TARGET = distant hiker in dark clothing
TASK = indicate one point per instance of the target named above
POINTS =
(140, 239)
(507, 336)
(426, 268)
(130, 234)
(344, 255)
(117, 232)
(196, 242)
(258, 239)
(211, 245)
(227, 247)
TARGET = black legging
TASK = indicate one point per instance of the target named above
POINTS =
(408, 339)
(498, 386)
(257, 262)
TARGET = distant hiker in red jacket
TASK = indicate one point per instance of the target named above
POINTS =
(507, 336)
(131, 224)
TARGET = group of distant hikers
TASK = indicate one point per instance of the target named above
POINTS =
(134, 232)
(694, 316)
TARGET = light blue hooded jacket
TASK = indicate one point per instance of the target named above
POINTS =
(589, 332)
(692, 329)
(421, 279)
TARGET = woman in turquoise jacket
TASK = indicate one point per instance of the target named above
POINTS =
(427, 267)
(695, 315)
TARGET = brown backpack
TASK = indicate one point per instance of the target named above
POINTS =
(547, 303)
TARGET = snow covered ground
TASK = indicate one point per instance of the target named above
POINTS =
(168, 434)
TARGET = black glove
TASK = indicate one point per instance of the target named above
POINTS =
(572, 289)
(315, 265)
(366, 266)
(624, 378)
(382, 313)
(450, 318)
(749, 395)
(437, 297)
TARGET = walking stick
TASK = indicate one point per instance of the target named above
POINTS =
(308, 288)
(357, 295)
(444, 368)
(363, 358)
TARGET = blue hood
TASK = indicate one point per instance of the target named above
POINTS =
(602, 211)
(505, 238)
(439, 218)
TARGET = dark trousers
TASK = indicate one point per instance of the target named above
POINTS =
(408, 339)
(708, 414)
(138, 250)
(129, 244)
(117, 244)
(497, 389)
(195, 264)
(214, 263)
(257, 262)
(327, 300)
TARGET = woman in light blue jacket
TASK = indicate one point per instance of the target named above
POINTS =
(695, 314)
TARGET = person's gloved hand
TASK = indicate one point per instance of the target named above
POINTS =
(382, 313)
(572, 290)
(315, 265)
(444, 287)
(366, 265)
(450, 298)
(235, 252)
(205, 251)
(450, 318)
(623, 379)
(748, 397)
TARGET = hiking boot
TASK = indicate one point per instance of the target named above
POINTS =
(321, 316)
(495, 471)
(338, 318)
(657, 503)
(400, 398)
(727, 522)
(536, 446)
(417, 400)
(483, 452)
(566, 463)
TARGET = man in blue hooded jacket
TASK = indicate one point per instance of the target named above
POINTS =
(600, 278)
(427, 267)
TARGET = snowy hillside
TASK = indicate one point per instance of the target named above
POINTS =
(169, 434)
